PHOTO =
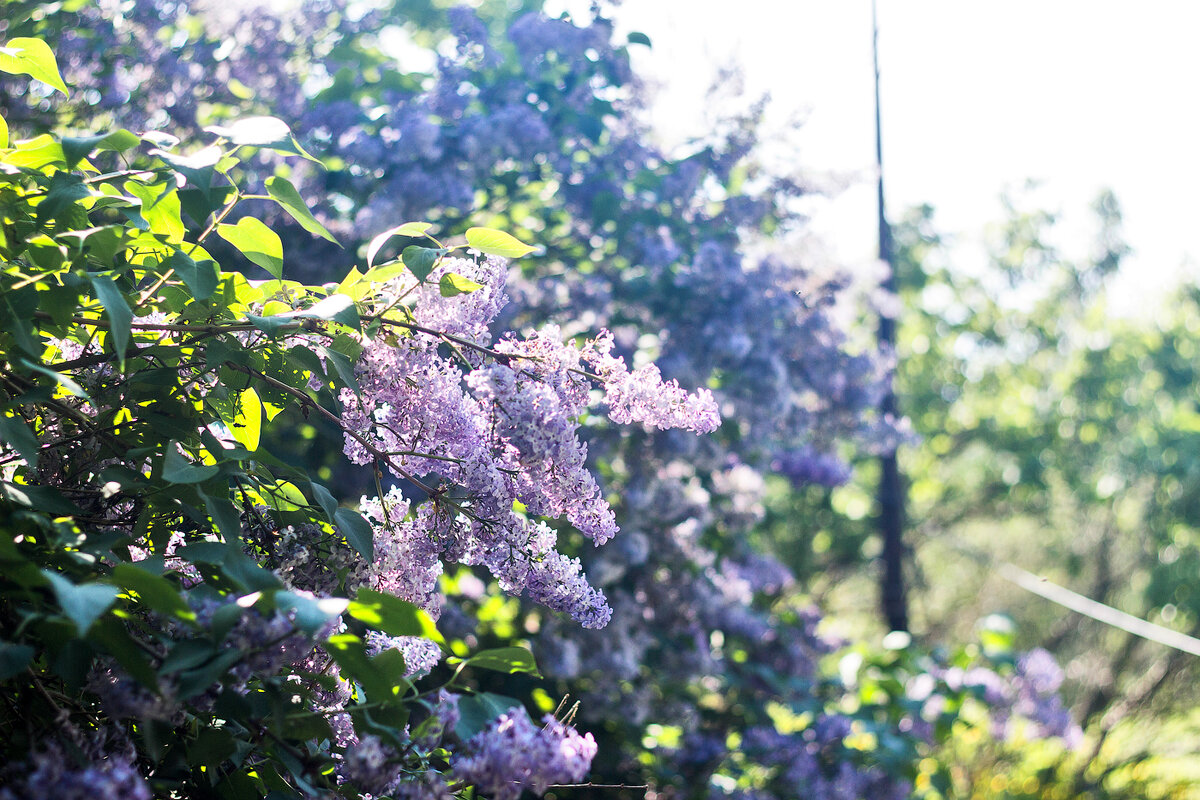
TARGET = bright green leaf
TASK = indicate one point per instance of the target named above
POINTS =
(497, 243)
(392, 615)
(256, 242)
(286, 195)
(453, 284)
(32, 57)
(247, 427)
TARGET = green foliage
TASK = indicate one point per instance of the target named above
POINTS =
(141, 393)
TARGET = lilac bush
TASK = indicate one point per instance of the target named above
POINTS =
(499, 458)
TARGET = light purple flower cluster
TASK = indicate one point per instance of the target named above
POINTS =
(421, 655)
(513, 754)
(500, 438)
(1029, 692)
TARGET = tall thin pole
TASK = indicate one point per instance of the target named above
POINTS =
(891, 488)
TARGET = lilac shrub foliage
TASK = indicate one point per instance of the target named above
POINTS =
(533, 120)
(179, 615)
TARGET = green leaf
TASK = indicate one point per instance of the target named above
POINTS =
(34, 58)
(477, 710)
(65, 190)
(311, 613)
(77, 148)
(284, 193)
(62, 380)
(119, 316)
(177, 469)
(269, 325)
(505, 659)
(326, 500)
(283, 496)
(161, 209)
(200, 277)
(46, 499)
(407, 229)
(223, 515)
(83, 604)
(37, 153)
(357, 530)
(3, 133)
(453, 284)
(247, 428)
(336, 307)
(497, 243)
(256, 242)
(14, 658)
(392, 615)
(421, 260)
(637, 37)
(156, 592)
(17, 434)
(342, 366)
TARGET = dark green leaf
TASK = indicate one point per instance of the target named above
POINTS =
(14, 658)
(357, 531)
(421, 260)
(177, 469)
(78, 148)
(407, 229)
(200, 277)
(156, 593)
(17, 434)
(326, 500)
(505, 659)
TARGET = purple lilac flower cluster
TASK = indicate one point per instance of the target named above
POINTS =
(1029, 692)
(513, 754)
(52, 774)
(504, 432)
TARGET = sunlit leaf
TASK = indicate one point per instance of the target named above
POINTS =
(32, 57)
(497, 243)
(256, 242)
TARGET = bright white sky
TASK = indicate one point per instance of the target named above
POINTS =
(977, 96)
